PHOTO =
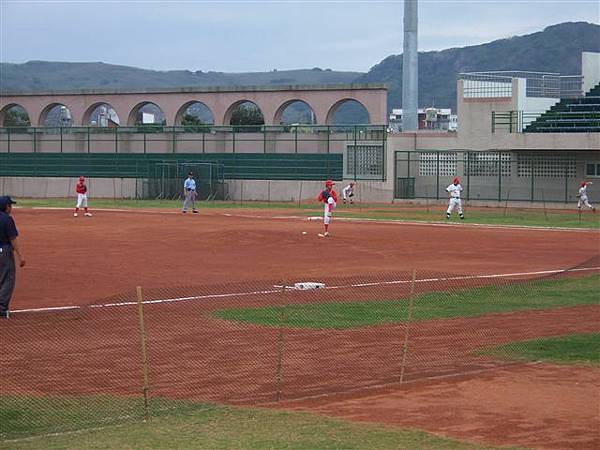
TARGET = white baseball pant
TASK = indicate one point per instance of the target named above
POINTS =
(583, 200)
(82, 201)
(454, 203)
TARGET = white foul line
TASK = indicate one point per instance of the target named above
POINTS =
(278, 289)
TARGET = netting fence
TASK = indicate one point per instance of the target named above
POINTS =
(146, 352)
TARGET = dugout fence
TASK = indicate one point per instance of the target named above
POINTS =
(261, 343)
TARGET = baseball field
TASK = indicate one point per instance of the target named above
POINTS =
(419, 333)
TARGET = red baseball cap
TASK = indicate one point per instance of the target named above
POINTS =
(329, 183)
(82, 178)
(456, 180)
(583, 183)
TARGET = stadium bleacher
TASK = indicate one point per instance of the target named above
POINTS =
(571, 115)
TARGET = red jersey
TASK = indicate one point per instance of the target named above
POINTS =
(81, 188)
(325, 194)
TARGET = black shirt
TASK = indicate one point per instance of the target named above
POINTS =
(8, 229)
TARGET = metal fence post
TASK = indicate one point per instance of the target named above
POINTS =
(566, 184)
(355, 153)
(499, 177)
(296, 139)
(116, 140)
(468, 174)
(144, 353)
(280, 342)
(8, 139)
(61, 140)
(34, 140)
(233, 139)
(144, 134)
(411, 300)
(437, 177)
(532, 183)
(88, 139)
(493, 122)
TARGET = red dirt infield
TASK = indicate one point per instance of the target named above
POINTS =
(88, 261)
(76, 261)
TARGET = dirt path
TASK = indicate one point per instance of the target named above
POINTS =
(537, 406)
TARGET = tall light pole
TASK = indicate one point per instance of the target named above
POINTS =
(410, 68)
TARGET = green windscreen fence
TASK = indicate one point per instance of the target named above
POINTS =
(231, 166)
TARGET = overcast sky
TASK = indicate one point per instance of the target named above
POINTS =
(246, 35)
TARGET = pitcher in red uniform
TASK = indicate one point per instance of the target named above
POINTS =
(329, 199)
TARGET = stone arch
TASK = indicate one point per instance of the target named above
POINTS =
(89, 114)
(134, 115)
(56, 115)
(344, 103)
(184, 108)
(7, 108)
(234, 106)
(279, 114)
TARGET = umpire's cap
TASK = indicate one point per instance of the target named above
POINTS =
(5, 200)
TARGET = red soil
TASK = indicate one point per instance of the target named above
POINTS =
(195, 356)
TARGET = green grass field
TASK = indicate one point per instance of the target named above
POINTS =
(570, 349)
(484, 216)
(437, 305)
(192, 426)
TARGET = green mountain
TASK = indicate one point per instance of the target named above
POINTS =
(46, 75)
(555, 49)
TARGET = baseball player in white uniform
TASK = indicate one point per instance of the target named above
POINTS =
(583, 198)
(348, 193)
(454, 191)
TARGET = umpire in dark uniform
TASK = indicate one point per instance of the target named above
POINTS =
(9, 246)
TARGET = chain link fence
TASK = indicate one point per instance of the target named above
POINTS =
(146, 352)
(495, 175)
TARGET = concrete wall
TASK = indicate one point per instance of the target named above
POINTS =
(30, 187)
(590, 69)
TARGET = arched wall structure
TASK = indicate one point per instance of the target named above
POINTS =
(278, 118)
(43, 115)
(335, 107)
(7, 108)
(229, 113)
(181, 112)
(132, 117)
(87, 115)
(217, 99)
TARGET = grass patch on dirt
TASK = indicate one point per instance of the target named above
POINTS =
(187, 425)
(568, 349)
(107, 203)
(470, 302)
(436, 213)
(516, 217)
